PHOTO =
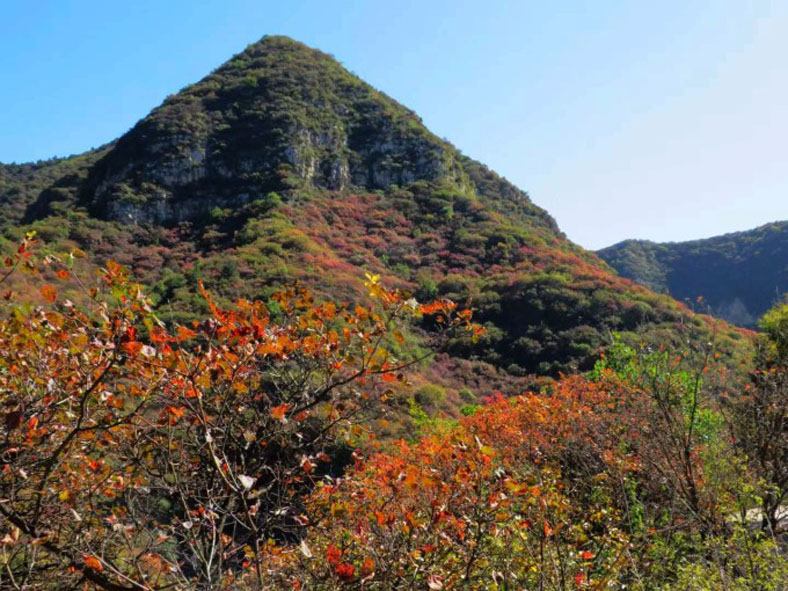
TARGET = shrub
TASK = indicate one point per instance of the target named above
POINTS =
(430, 396)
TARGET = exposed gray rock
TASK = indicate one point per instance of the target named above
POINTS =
(178, 179)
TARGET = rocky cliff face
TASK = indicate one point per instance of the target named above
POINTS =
(277, 116)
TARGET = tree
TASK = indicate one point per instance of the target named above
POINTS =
(759, 416)
(520, 495)
(137, 457)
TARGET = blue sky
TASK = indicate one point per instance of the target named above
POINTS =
(657, 120)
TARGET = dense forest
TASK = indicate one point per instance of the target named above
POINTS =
(280, 336)
(739, 275)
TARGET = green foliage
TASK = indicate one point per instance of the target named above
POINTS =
(426, 424)
(735, 563)
(468, 410)
(467, 395)
(263, 205)
(674, 378)
(774, 324)
(430, 396)
(738, 275)
(32, 190)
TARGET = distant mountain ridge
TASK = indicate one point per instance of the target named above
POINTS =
(281, 165)
(739, 275)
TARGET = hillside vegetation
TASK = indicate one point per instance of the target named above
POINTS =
(738, 275)
(280, 336)
(240, 452)
(281, 165)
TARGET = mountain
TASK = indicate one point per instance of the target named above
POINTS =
(281, 165)
(739, 275)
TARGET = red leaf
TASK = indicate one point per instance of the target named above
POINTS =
(333, 554)
(132, 348)
(345, 571)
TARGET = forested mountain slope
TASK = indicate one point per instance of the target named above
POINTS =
(738, 275)
(281, 165)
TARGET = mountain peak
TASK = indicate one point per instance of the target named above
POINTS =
(269, 43)
(277, 116)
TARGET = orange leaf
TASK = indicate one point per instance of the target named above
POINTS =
(175, 414)
(93, 563)
(159, 335)
(548, 531)
(132, 348)
(279, 412)
(380, 518)
(367, 567)
(427, 548)
(184, 334)
(49, 292)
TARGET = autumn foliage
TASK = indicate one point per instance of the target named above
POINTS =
(582, 486)
(237, 452)
(135, 456)
(486, 506)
